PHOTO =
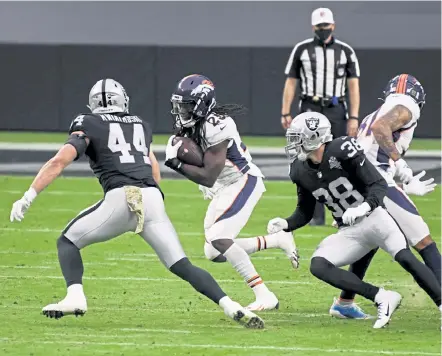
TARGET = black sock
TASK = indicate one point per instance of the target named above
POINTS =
(70, 261)
(200, 279)
(421, 274)
(340, 278)
(431, 256)
(359, 268)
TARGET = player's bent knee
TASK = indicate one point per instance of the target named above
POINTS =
(63, 242)
(213, 254)
(222, 245)
(319, 266)
(182, 268)
(426, 241)
(405, 257)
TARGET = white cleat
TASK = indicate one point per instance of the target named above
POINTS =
(269, 302)
(66, 307)
(243, 316)
(287, 244)
(387, 302)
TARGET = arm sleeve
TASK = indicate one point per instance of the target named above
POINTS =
(352, 68)
(294, 64)
(304, 210)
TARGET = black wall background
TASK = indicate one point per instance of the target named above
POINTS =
(45, 86)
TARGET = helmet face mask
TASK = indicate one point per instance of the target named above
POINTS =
(307, 132)
(192, 100)
(108, 96)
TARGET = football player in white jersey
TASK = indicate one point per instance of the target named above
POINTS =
(229, 178)
(386, 135)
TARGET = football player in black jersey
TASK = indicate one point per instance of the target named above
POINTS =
(337, 173)
(118, 147)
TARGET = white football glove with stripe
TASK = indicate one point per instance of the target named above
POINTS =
(418, 187)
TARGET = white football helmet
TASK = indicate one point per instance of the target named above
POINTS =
(107, 96)
(307, 132)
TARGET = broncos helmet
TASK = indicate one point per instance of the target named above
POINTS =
(307, 132)
(108, 96)
(192, 100)
(408, 85)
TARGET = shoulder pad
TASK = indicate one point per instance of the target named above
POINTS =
(343, 148)
(219, 128)
(81, 122)
(404, 100)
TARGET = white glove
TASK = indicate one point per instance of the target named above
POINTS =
(20, 207)
(403, 171)
(351, 214)
(171, 149)
(418, 187)
(277, 224)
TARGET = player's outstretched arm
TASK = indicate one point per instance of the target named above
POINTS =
(384, 127)
(301, 216)
(213, 164)
(72, 150)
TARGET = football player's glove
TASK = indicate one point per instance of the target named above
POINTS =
(20, 207)
(351, 214)
(403, 171)
(277, 224)
(418, 187)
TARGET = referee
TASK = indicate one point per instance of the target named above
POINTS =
(324, 67)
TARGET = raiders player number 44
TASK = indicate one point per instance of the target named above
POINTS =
(337, 173)
(118, 147)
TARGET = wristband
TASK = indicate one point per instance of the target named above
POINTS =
(30, 194)
(285, 115)
(353, 118)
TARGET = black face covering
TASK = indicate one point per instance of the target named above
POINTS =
(322, 34)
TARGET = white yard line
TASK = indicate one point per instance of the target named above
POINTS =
(184, 233)
(175, 280)
(231, 347)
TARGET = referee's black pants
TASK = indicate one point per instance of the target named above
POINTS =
(338, 119)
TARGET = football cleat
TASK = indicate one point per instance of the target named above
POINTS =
(243, 316)
(387, 302)
(347, 311)
(269, 302)
(66, 307)
(287, 243)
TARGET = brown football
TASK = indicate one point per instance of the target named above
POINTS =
(189, 152)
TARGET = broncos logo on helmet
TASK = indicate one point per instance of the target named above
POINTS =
(192, 100)
(408, 85)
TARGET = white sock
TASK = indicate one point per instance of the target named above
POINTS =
(240, 261)
(75, 290)
(258, 243)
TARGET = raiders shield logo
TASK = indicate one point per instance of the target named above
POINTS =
(312, 123)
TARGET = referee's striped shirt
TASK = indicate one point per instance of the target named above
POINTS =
(322, 69)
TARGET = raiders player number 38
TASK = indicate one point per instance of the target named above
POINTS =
(337, 173)
(118, 147)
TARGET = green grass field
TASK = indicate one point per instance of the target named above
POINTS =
(136, 307)
(261, 141)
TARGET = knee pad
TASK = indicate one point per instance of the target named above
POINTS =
(213, 254)
(319, 266)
